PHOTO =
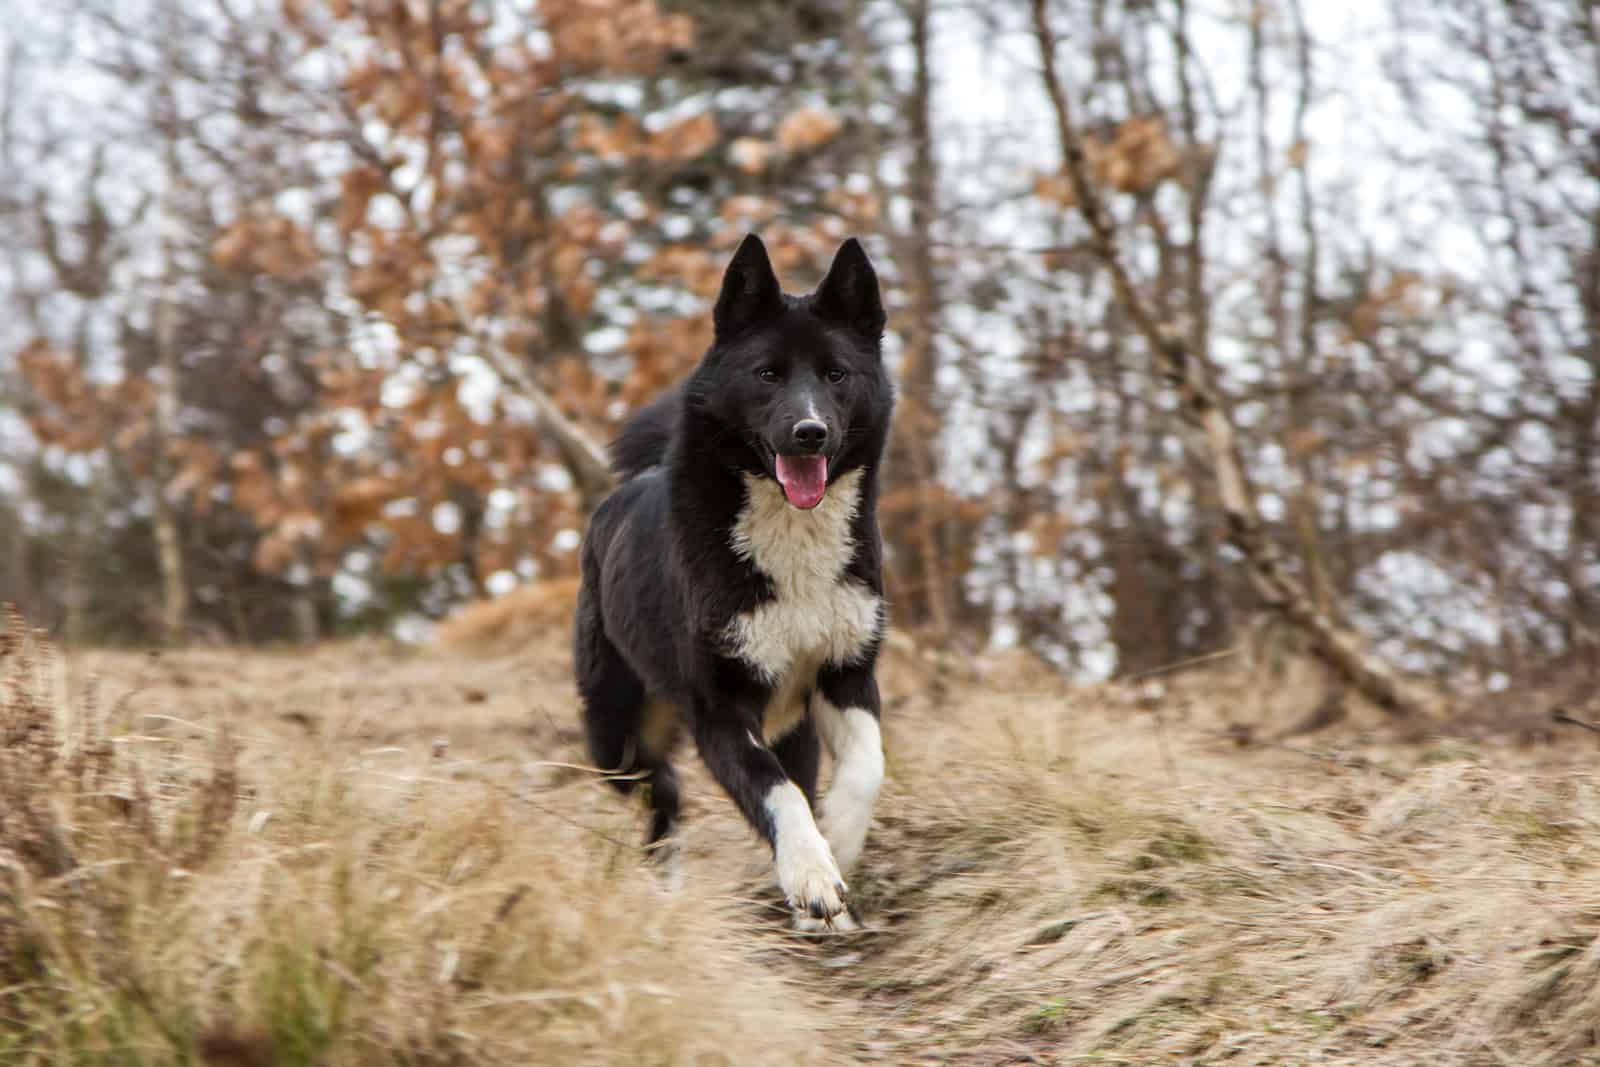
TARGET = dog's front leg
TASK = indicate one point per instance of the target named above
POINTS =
(733, 750)
(845, 709)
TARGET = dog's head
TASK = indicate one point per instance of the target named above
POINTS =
(796, 385)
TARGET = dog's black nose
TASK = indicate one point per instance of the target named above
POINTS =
(809, 435)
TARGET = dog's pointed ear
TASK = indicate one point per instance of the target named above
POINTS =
(750, 291)
(849, 295)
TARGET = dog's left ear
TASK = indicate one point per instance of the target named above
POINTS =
(849, 294)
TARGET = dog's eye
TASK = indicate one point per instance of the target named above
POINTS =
(767, 374)
(836, 375)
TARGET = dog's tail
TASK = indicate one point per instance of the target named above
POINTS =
(643, 440)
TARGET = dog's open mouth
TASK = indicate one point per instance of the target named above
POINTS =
(804, 479)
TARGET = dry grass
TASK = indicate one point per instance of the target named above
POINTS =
(366, 854)
(376, 897)
(507, 623)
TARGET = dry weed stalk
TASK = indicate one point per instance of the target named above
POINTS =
(31, 827)
(84, 839)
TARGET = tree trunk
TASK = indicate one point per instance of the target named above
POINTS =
(303, 609)
(169, 543)
(917, 375)
(924, 588)
(174, 588)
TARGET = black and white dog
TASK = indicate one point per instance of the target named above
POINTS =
(733, 583)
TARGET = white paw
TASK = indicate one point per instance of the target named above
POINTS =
(842, 923)
(669, 867)
(806, 871)
(813, 886)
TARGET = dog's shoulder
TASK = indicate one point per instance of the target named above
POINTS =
(640, 496)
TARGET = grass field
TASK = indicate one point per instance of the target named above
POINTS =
(370, 854)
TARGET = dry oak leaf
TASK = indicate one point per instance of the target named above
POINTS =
(356, 189)
(1056, 188)
(808, 128)
(611, 141)
(1141, 157)
(750, 154)
(749, 209)
(362, 500)
(685, 140)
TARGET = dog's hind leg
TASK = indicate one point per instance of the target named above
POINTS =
(629, 740)
(629, 736)
(658, 732)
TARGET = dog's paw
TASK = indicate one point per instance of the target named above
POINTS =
(807, 873)
(666, 858)
(818, 894)
(842, 923)
(809, 878)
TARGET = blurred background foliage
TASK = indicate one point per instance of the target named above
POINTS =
(312, 306)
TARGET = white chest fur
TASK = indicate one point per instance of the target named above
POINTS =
(817, 615)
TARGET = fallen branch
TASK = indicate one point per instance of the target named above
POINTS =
(1178, 665)
(1211, 429)
(1244, 737)
(1562, 715)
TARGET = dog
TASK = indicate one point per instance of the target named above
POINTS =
(732, 584)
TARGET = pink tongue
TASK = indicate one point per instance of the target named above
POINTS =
(804, 479)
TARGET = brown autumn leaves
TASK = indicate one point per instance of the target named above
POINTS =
(444, 233)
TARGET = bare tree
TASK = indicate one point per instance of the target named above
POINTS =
(1185, 366)
(167, 121)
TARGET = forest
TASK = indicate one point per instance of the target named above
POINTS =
(318, 315)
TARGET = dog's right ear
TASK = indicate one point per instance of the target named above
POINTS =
(750, 291)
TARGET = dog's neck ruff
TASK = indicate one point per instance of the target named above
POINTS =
(817, 615)
(797, 549)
